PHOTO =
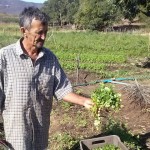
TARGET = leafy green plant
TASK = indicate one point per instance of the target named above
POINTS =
(63, 141)
(107, 147)
(104, 98)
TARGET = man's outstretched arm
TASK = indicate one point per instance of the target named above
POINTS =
(77, 99)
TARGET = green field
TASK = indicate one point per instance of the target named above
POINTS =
(111, 54)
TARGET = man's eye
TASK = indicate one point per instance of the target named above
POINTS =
(41, 33)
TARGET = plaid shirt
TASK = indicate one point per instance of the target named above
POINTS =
(26, 93)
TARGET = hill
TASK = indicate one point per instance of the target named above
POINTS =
(14, 7)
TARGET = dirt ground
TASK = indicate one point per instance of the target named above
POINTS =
(76, 121)
(136, 118)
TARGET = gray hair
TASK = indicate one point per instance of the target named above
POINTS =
(30, 13)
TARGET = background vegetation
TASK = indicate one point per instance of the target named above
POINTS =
(110, 54)
(95, 14)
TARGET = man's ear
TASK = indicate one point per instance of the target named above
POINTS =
(23, 31)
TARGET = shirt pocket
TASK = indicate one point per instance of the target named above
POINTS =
(45, 85)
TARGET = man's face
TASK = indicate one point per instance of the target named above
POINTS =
(36, 35)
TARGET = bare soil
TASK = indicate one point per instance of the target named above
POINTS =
(132, 114)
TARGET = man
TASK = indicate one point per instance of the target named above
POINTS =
(30, 76)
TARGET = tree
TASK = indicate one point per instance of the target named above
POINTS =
(96, 14)
(144, 7)
(72, 9)
(61, 11)
(56, 9)
(131, 8)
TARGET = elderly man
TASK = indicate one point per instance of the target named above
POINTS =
(30, 75)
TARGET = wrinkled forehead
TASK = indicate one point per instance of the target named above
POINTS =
(41, 21)
(37, 25)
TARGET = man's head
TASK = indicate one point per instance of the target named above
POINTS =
(34, 26)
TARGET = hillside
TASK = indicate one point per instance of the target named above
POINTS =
(15, 6)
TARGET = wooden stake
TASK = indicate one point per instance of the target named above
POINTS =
(78, 67)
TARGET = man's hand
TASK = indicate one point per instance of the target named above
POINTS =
(88, 103)
(80, 100)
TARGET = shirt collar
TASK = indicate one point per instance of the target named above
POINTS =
(19, 50)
